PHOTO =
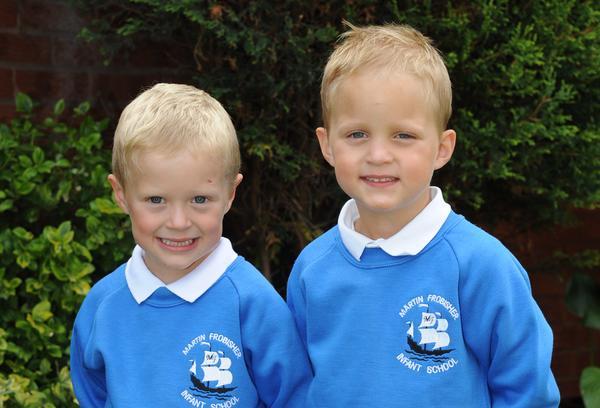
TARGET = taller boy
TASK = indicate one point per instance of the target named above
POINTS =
(404, 302)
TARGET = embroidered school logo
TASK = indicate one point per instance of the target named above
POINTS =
(428, 345)
(211, 379)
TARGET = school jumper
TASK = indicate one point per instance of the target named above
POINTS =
(219, 337)
(439, 315)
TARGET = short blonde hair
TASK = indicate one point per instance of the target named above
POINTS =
(393, 47)
(171, 118)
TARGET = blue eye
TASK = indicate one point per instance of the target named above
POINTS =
(155, 199)
(404, 136)
(199, 200)
(357, 135)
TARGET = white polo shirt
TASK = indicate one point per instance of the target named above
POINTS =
(142, 283)
(410, 240)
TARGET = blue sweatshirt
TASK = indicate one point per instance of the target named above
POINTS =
(452, 326)
(236, 345)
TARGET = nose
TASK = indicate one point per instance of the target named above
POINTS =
(379, 151)
(178, 217)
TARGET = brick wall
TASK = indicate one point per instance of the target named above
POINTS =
(575, 347)
(40, 55)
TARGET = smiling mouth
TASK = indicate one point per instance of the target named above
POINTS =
(372, 179)
(177, 243)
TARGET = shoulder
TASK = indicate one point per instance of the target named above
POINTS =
(103, 289)
(467, 239)
(248, 282)
(258, 301)
(478, 253)
(318, 249)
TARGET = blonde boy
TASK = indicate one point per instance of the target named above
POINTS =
(186, 321)
(404, 302)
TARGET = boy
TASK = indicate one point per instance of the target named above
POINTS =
(186, 321)
(404, 302)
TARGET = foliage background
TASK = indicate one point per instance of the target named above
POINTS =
(525, 78)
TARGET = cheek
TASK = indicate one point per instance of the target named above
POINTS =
(210, 221)
(143, 223)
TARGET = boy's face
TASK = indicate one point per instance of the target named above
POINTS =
(176, 204)
(384, 142)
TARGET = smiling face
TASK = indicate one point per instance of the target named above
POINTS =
(384, 143)
(176, 204)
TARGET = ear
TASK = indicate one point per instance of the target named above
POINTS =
(118, 192)
(446, 148)
(325, 146)
(236, 183)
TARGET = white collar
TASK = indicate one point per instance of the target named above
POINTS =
(410, 240)
(142, 283)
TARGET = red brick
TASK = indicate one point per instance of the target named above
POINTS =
(51, 85)
(568, 388)
(160, 56)
(8, 13)
(121, 88)
(555, 311)
(49, 16)
(568, 365)
(7, 111)
(544, 283)
(73, 52)
(24, 48)
(6, 84)
(570, 338)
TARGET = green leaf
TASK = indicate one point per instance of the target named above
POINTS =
(64, 229)
(6, 205)
(41, 312)
(82, 109)
(23, 103)
(59, 107)
(25, 161)
(589, 384)
(24, 259)
(38, 155)
(22, 233)
(106, 206)
(591, 318)
(583, 295)
(54, 351)
(64, 188)
(80, 287)
(23, 187)
(45, 366)
(85, 270)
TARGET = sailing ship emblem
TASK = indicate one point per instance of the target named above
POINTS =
(432, 330)
(215, 374)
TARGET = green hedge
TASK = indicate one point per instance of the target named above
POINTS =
(526, 96)
(58, 223)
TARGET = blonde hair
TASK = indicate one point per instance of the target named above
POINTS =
(393, 47)
(171, 118)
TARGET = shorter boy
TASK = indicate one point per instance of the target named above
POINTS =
(405, 303)
(186, 321)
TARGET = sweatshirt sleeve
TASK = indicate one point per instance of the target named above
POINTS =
(505, 328)
(274, 354)
(296, 302)
(88, 384)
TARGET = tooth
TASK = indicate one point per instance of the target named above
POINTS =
(176, 243)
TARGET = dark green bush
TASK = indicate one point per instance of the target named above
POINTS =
(526, 89)
(58, 223)
(526, 86)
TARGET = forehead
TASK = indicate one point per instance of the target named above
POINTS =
(184, 170)
(366, 89)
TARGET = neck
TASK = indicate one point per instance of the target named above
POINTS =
(377, 225)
